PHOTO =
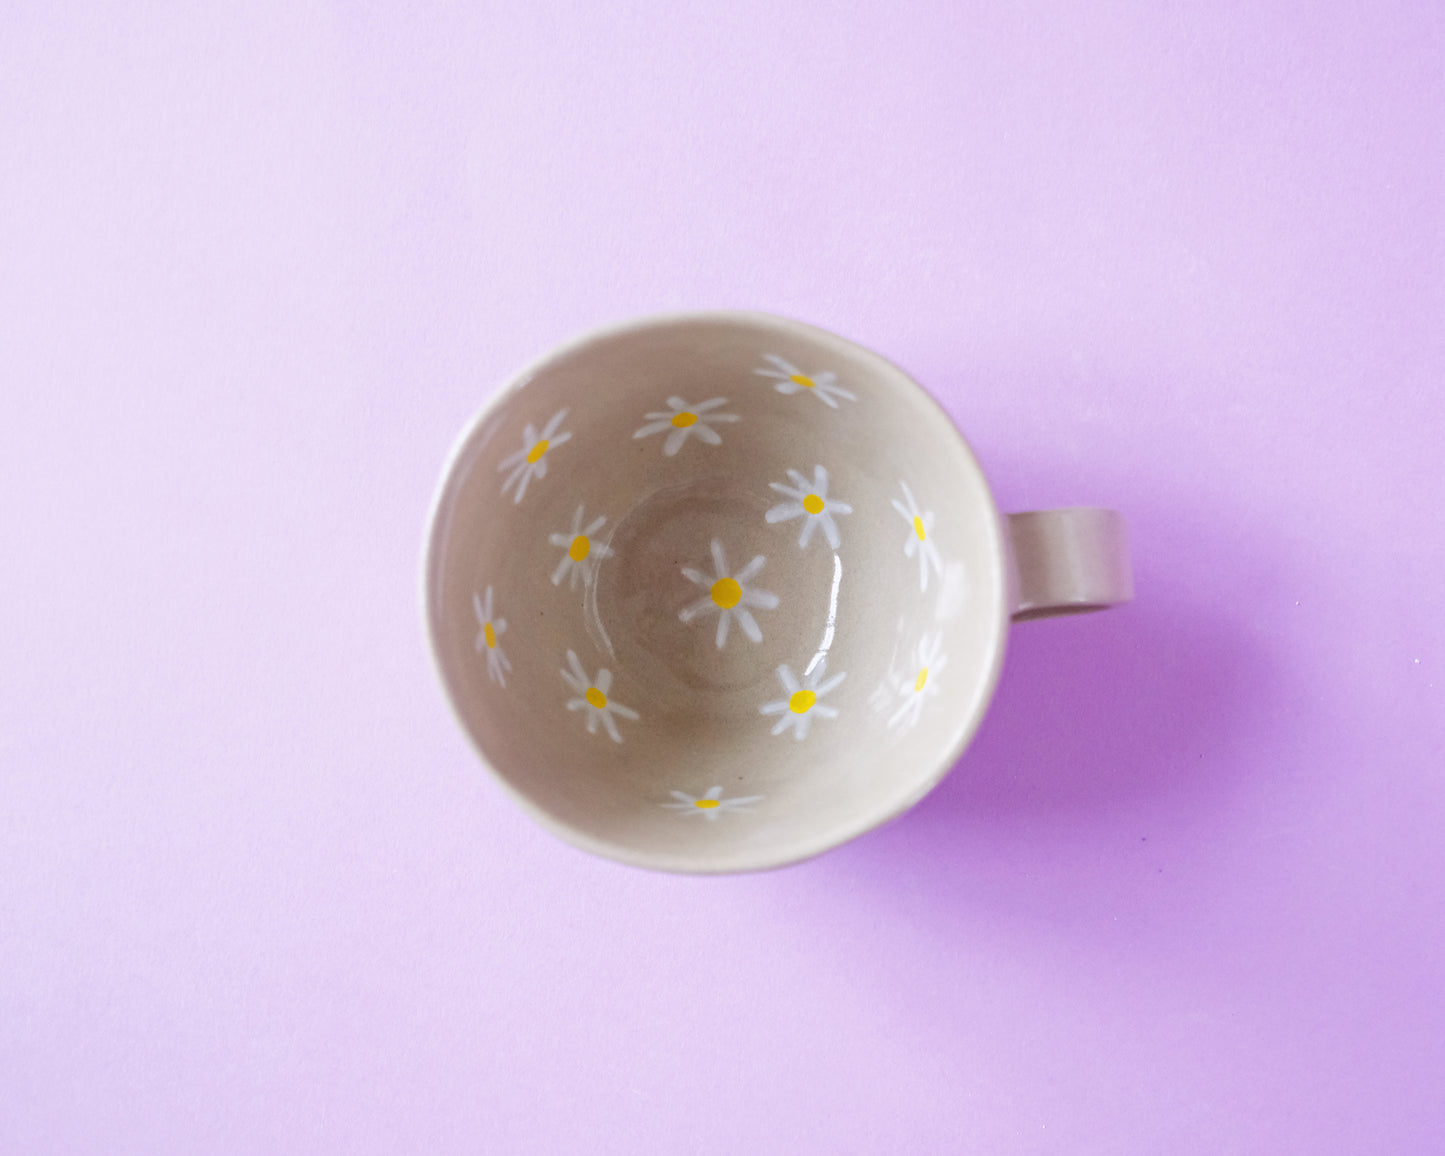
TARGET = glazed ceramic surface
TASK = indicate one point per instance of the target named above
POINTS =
(716, 592)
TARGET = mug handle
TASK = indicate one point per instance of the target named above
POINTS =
(1068, 561)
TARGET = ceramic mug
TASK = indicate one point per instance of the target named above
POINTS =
(717, 592)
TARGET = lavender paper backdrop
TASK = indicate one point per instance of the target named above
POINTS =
(259, 264)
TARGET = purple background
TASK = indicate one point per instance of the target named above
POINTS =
(257, 269)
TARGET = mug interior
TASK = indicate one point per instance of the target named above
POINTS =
(715, 592)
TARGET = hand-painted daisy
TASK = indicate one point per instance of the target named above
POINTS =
(920, 682)
(530, 461)
(712, 804)
(729, 595)
(593, 698)
(491, 630)
(918, 541)
(791, 379)
(686, 421)
(811, 503)
(583, 551)
(798, 709)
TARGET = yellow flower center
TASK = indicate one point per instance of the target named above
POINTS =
(920, 680)
(684, 419)
(726, 592)
(534, 455)
(799, 379)
(490, 635)
(802, 701)
(813, 504)
(579, 548)
(705, 804)
(596, 697)
(918, 527)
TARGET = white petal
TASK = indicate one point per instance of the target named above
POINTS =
(748, 623)
(576, 664)
(722, 627)
(760, 599)
(784, 512)
(693, 609)
(719, 558)
(750, 570)
(674, 442)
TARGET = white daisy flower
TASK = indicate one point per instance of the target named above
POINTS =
(797, 710)
(530, 461)
(583, 552)
(811, 503)
(491, 630)
(918, 541)
(712, 804)
(918, 683)
(686, 421)
(791, 379)
(729, 595)
(593, 698)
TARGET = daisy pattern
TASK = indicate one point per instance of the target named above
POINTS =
(791, 379)
(729, 595)
(712, 804)
(918, 541)
(530, 461)
(582, 552)
(492, 629)
(801, 705)
(686, 421)
(811, 503)
(592, 698)
(918, 683)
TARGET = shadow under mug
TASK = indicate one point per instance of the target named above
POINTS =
(716, 592)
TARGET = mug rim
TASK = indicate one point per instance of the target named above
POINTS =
(621, 852)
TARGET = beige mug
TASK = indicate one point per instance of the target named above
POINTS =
(717, 592)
